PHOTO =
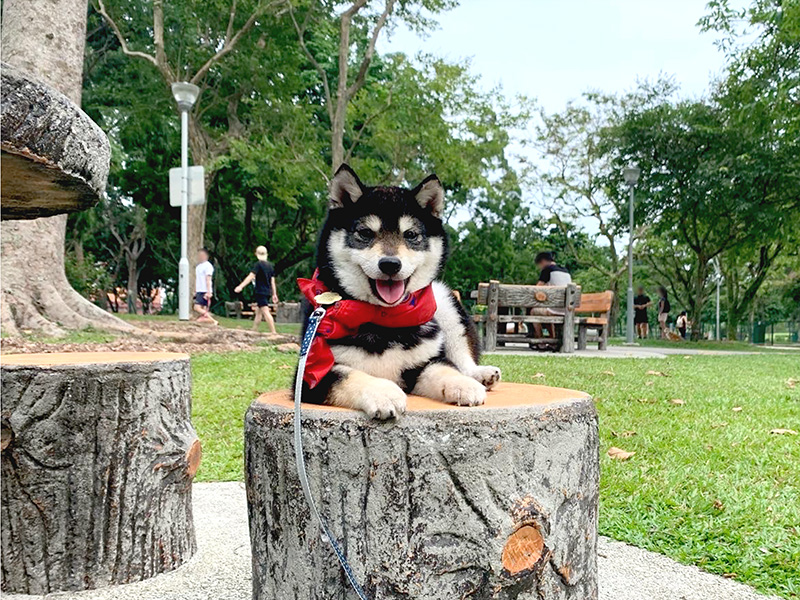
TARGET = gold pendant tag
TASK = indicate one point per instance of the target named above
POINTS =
(327, 298)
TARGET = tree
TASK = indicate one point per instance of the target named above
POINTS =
(707, 184)
(575, 183)
(269, 184)
(129, 228)
(759, 97)
(168, 41)
(744, 270)
(47, 41)
(338, 86)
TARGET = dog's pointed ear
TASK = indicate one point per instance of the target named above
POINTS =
(345, 188)
(430, 195)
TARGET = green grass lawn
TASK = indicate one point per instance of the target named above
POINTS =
(93, 336)
(708, 485)
(288, 328)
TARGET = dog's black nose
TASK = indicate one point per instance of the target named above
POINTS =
(389, 265)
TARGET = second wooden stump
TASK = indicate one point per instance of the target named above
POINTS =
(98, 459)
(498, 501)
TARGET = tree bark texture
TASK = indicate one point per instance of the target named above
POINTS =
(98, 456)
(55, 158)
(36, 293)
(44, 38)
(492, 502)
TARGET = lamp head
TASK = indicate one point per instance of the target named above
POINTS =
(631, 174)
(185, 94)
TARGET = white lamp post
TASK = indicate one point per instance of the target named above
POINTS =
(719, 281)
(185, 95)
(631, 176)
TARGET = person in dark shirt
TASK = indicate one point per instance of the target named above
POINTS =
(550, 273)
(263, 274)
(640, 305)
(663, 311)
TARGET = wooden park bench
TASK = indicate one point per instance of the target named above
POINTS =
(594, 312)
(236, 310)
(283, 312)
(498, 296)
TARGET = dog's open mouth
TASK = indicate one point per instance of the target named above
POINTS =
(389, 290)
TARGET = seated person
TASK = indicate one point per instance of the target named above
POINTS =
(550, 273)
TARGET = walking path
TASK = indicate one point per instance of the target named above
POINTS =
(641, 352)
(221, 568)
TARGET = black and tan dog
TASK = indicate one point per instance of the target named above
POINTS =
(391, 327)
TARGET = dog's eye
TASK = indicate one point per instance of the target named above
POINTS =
(365, 233)
(411, 235)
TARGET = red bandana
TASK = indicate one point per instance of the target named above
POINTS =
(345, 317)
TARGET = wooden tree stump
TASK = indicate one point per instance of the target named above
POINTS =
(498, 501)
(98, 456)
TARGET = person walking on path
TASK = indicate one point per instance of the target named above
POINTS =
(203, 274)
(263, 273)
(640, 305)
(663, 311)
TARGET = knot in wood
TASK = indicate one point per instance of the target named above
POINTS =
(523, 549)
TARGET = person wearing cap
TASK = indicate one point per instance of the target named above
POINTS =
(263, 273)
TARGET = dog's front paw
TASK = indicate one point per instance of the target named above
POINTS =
(382, 399)
(463, 391)
(487, 375)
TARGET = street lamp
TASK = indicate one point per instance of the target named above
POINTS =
(185, 95)
(718, 277)
(631, 176)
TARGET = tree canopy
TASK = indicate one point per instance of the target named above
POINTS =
(290, 88)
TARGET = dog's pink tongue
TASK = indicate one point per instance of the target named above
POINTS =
(389, 291)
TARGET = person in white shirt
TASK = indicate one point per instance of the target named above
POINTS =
(203, 273)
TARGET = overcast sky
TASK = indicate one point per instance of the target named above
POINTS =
(555, 49)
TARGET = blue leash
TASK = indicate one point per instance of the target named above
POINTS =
(311, 330)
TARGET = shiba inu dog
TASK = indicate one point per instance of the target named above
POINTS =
(391, 329)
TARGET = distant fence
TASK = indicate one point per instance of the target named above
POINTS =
(759, 332)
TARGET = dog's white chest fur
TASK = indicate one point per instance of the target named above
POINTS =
(392, 362)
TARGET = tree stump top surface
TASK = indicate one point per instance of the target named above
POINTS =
(55, 159)
(505, 395)
(56, 359)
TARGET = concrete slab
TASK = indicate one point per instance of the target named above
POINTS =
(221, 568)
(630, 573)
